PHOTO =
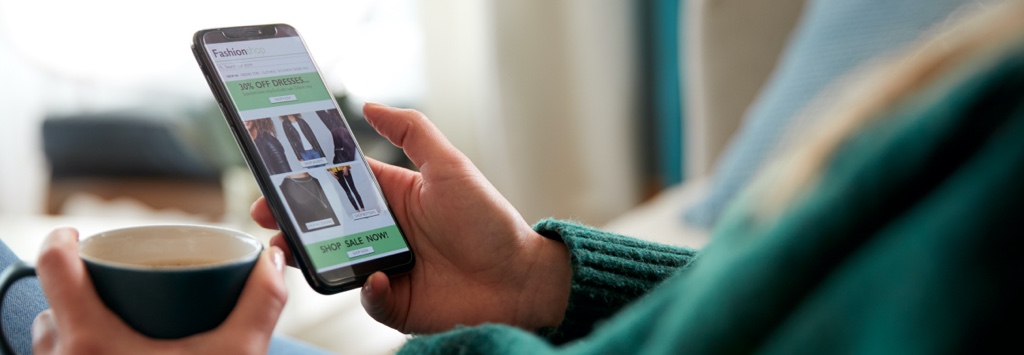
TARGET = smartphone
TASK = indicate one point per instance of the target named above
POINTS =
(307, 163)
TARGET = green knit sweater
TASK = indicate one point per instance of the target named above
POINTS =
(609, 272)
(910, 242)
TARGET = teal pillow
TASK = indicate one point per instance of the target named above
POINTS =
(833, 38)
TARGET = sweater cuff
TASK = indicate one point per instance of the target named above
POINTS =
(608, 272)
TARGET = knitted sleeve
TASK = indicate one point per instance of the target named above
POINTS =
(608, 272)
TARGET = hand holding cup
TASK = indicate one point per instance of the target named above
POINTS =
(241, 293)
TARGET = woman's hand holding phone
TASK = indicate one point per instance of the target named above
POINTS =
(478, 260)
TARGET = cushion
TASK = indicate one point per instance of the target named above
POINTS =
(833, 38)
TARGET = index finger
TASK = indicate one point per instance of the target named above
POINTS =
(414, 133)
(260, 213)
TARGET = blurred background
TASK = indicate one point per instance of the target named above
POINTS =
(571, 108)
(555, 101)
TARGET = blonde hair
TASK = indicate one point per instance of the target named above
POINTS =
(868, 93)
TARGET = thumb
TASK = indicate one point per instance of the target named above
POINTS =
(65, 280)
(379, 301)
(413, 132)
(263, 296)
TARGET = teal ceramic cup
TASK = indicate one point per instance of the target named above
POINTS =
(166, 281)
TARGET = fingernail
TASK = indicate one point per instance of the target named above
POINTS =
(277, 256)
(42, 326)
(368, 286)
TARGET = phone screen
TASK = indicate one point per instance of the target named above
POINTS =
(305, 152)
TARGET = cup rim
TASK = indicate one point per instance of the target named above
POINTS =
(246, 258)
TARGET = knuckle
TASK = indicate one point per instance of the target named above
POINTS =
(276, 293)
(418, 115)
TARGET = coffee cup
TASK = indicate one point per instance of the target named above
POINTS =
(165, 281)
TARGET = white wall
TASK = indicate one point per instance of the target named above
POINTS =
(22, 168)
(542, 96)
